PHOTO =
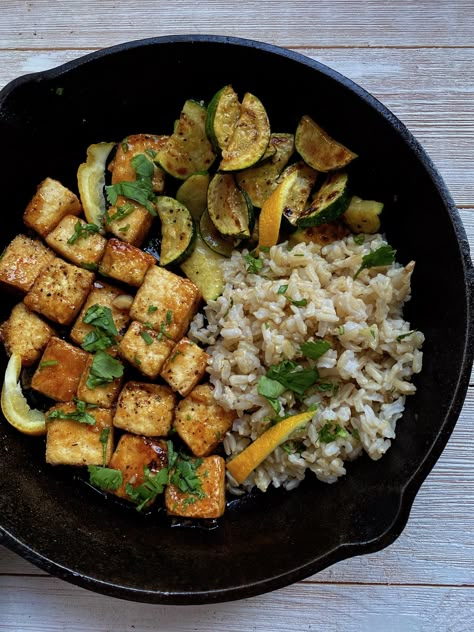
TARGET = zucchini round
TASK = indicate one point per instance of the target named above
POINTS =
(318, 149)
(298, 195)
(193, 194)
(178, 231)
(328, 203)
(229, 208)
(204, 268)
(222, 115)
(213, 238)
(250, 136)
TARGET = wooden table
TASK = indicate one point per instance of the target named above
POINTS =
(417, 57)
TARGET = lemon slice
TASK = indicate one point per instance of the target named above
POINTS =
(272, 211)
(91, 181)
(14, 405)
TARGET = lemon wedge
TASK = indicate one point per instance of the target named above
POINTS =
(14, 405)
(272, 211)
(91, 181)
(250, 458)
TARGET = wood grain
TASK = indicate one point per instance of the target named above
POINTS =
(338, 23)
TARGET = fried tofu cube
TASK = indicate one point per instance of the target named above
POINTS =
(74, 242)
(22, 261)
(70, 442)
(59, 370)
(128, 220)
(26, 334)
(210, 503)
(167, 301)
(201, 422)
(108, 296)
(146, 409)
(145, 349)
(103, 394)
(125, 262)
(59, 291)
(185, 366)
(51, 202)
(135, 454)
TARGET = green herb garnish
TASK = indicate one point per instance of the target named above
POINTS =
(383, 256)
(80, 414)
(152, 308)
(302, 303)
(82, 230)
(89, 265)
(47, 363)
(282, 289)
(315, 349)
(330, 432)
(143, 166)
(184, 475)
(152, 486)
(105, 478)
(254, 264)
(104, 438)
(101, 317)
(359, 239)
(292, 376)
(121, 212)
(140, 191)
(405, 335)
(146, 337)
(104, 369)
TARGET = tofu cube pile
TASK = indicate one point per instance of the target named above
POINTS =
(104, 328)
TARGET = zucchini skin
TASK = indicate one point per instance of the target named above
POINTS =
(204, 268)
(319, 150)
(229, 207)
(329, 203)
(178, 231)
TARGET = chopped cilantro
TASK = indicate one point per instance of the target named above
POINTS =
(292, 376)
(82, 230)
(184, 475)
(383, 256)
(302, 303)
(104, 438)
(89, 265)
(80, 414)
(152, 486)
(47, 363)
(121, 212)
(254, 264)
(405, 335)
(140, 191)
(282, 289)
(143, 166)
(152, 309)
(124, 229)
(146, 337)
(315, 349)
(330, 432)
(104, 369)
(105, 478)
(359, 239)
(341, 330)
(101, 317)
(125, 145)
(151, 152)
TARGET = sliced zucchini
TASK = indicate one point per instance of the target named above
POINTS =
(260, 181)
(178, 231)
(329, 203)
(229, 208)
(204, 268)
(318, 149)
(250, 137)
(188, 149)
(91, 181)
(362, 216)
(300, 191)
(213, 238)
(322, 235)
(222, 115)
(193, 194)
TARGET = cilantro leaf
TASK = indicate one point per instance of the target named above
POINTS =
(143, 166)
(405, 335)
(121, 212)
(330, 432)
(271, 390)
(104, 438)
(315, 349)
(82, 230)
(254, 264)
(140, 191)
(152, 486)
(383, 256)
(80, 414)
(46, 363)
(105, 478)
(292, 376)
(104, 369)
(282, 289)
(101, 317)
(302, 303)
(146, 337)
(96, 341)
(184, 475)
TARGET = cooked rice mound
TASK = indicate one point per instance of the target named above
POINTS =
(366, 374)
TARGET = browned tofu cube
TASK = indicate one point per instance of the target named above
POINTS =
(125, 262)
(108, 296)
(135, 454)
(101, 394)
(59, 291)
(185, 366)
(128, 220)
(145, 409)
(59, 370)
(166, 301)
(70, 442)
(210, 502)
(73, 240)
(51, 202)
(22, 261)
(201, 422)
(145, 349)
(25, 333)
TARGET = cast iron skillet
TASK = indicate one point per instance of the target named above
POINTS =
(268, 541)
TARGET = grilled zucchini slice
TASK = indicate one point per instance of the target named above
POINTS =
(229, 207)
(193, 194)
(213, 238)
(300, 191)
(188, 149)
(318, 149)
(362, 216)
(260, 181)
(322, 235)
(222, 115)
(250, 136)
(204, 268)
(178, 231)
(329, 203)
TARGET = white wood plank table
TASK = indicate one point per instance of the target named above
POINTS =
(417, 57)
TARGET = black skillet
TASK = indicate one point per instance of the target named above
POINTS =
(268, 541)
